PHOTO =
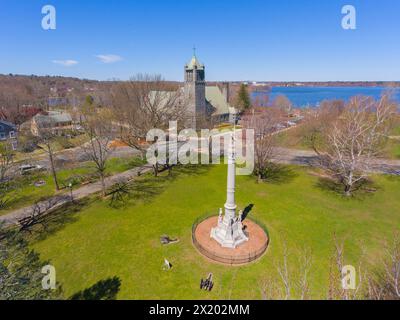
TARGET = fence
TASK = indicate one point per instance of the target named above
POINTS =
(228, 259)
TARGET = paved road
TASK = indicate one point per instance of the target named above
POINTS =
(78, 155)
(82, 192)
(74, 156)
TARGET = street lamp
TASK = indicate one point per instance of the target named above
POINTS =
(70, 190)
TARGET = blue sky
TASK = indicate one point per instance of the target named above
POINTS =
(275, 40)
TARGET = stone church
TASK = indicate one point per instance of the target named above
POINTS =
(205, 102)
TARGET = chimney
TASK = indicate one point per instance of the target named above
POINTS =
(225, 90)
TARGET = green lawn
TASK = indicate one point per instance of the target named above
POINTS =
(393, 149)
(394, 144)
(396, 127)
(294, 139)
(26, 193)
(396, 131)
(99, 242)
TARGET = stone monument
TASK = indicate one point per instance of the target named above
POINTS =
(229, 231)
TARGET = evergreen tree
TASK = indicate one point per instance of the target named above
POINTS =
(20, 270)
(89, 100)
(243, 98)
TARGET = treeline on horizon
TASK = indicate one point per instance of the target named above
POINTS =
(54, 80)
(17, 91)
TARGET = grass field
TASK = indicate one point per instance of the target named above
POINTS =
(26, 193)
(121, 247)
(393, 149)
(294, 139)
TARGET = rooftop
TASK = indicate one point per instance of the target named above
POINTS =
(215, 97)
(54, 117)
(194, 64)
(7, 123)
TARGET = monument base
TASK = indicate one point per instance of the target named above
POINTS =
(246, 252)
(229, 235)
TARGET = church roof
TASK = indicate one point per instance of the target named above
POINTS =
(194, 63)
(163, 98)
(215, 97)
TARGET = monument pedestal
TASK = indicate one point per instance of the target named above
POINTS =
(229, 231)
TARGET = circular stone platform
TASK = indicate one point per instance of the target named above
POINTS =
(243, 254)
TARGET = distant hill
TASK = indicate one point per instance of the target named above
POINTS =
(18, 91)
(338, 84)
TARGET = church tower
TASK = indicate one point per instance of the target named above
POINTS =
(195, 90)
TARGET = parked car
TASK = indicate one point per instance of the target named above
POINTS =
(280, 127)
(29, 168)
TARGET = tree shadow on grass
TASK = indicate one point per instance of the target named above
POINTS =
(146, 189)
(364, 188)
(102, 290)
(58, 219)
(279, 174)
(148, 186)
(189, 169)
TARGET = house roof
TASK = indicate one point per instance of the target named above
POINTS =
(215, 97)
(162, 98)
(8, 124)
(53, 117)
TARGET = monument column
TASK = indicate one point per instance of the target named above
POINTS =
(229, 231)
(230, 205)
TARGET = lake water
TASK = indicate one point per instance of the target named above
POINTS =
(312, 96)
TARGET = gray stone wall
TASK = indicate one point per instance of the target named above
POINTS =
(195, 94)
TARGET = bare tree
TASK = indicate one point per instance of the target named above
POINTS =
(290, 283)
(283, 103)
(354, 139)
(317, 122)
(392, 267)
(264, 122)
(283, 270)
(6, 159)
(6, 162)
(144, 103)
(384, 283)
(47, 136)
(336, 290)
(270, 289)
(98, 128)
(302, 284)
(381, 281)
(12, 98)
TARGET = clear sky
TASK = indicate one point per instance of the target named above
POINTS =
(273, 40)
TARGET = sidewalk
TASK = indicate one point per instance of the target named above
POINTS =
(82, 192)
